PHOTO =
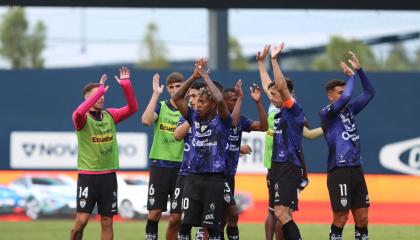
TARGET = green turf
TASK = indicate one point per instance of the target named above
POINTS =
(59, 229)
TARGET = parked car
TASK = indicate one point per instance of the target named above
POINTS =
(9, 200)
(243, 201)
(46, 195)
(132, 195)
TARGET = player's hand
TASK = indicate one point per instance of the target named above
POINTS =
(261, 55)
(255, 92)
(245, 149)
(200, 67)
(104, 77)
(277, 50)
(156, 89)
(346, 70)
(354, 61)
(304, 182)
(238, 89)
(124, 74)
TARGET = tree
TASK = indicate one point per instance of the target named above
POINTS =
(337, 50)
(417, 61)
(397, 59)
(237, 60)
(21, 48)
(156, 51)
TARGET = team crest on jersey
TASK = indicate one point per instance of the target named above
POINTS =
(197, 124)
(203, 127)
(212, 207)
(227, 198)
(82, 203)
(344, 202)
(151, 201)
(174, 204)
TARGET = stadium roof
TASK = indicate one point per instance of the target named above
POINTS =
(224, 4)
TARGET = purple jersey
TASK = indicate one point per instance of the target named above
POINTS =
(234, 141)
(209, 143)
(339, 125)
(287, 139)
(188, 151)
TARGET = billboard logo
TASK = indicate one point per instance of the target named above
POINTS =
(403, 157)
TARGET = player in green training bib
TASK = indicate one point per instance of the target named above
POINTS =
(98, 153)
(165, 155)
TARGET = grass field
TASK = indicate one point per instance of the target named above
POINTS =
(59, 229)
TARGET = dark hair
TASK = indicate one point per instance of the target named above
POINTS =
(289, 83)
(227, 90)
(89, 87)
(174, 77)
(197, 85)
(218, 85)
(331, 84)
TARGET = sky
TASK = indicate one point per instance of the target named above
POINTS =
(94, 36)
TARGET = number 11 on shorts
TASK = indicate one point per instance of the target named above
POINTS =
(343, 189)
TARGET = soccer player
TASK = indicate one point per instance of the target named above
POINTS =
(271, 224)
(210, 124)
(286, 167)
(233, 98)
(165, 154)
(182, 132)
(98, 153)
(346, 183)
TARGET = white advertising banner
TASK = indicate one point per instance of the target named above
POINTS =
(58, 150)
(254, 162)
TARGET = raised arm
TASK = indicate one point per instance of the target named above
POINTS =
(79, 115)
(182, 130)
(149, 115)
(261, 125)
(335, 107)
(236, 113)
(179, 97)
(265, 77)
(215, 92)
(279, 79)
(368, 90)
(120, 114)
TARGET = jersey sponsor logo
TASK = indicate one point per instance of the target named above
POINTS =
(167, 127)
(233, 138)
(209, 217)
(203, 134)
(102, 139)
(403, 157)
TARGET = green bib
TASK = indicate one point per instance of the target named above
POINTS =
(268, 149)
(164, 146)
(97, 144)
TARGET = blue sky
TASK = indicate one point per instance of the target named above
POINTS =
(114, 35)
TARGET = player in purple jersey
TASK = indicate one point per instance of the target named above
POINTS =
(346, 183)
(271, 224)
(233, 98)
(286, 158)
(182, 132)
(203, 194)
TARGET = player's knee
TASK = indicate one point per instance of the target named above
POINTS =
(362, 220)
(233, 216)
(154, 215)
(174, 221)
(340, 218)
(106, 222)
(81, 222)
(282, 215)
